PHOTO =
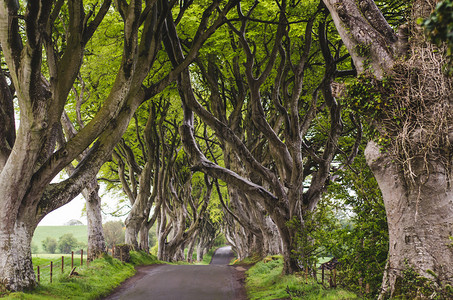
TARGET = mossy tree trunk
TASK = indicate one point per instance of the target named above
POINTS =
(413, 168)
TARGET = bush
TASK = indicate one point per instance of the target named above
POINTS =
(49, 244)
(113, 233)
(67, 242)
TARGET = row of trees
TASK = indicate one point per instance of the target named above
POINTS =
(113, 232)
(270, 102)
(66, 243)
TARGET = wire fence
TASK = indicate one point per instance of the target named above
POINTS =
(47, 271)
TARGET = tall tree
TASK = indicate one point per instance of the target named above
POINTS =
(408, 99)
(282, 107)
(43, 64)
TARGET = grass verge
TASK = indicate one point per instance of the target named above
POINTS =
(92, 282)
(265, 281)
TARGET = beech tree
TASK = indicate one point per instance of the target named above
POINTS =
(181, 215)
(282, 115)
(407, 97)
(139, 173)
(42, 65)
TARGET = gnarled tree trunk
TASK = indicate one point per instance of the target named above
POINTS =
(96, 241)
(413, 169)
(420, 219)
(16, 265)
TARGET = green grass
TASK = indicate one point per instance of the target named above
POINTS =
(42, 232)
(92, 282)
(265, 281)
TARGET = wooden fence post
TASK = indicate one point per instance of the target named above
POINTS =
(62, 264)
(334, 278)
(51, 269)
(72, 259)
(39, 274)
(322, 276)
(81, 257)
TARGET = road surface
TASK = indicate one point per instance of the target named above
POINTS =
(185, 282)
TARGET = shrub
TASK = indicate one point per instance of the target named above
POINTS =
(49, 245)
(67, 242)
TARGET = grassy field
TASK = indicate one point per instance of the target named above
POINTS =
(42, 232)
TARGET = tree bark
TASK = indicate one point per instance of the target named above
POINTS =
(96, 241)
(420, 219)
(416, 189)
(191, 246)
(16, 264)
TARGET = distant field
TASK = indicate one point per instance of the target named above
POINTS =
(41, 232)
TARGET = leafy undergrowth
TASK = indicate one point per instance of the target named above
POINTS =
(265, 281)
(91, 282)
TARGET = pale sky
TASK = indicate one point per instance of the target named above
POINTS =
(72, 210)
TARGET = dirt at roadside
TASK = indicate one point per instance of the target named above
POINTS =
(239, 273)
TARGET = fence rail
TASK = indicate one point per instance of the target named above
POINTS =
(61, 264)
(58, 265)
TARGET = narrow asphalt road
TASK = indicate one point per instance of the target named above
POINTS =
(185, 282)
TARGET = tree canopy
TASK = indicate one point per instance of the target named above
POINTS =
(239, 117)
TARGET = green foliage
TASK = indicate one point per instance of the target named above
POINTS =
(49, 244)
(396, 12)
(113, 233)
(42, 232)
(153, 250)
(67, 242)
(308, 244)
(220, 240)
(34, 248)
(207, 257)
(361, 243)
(265, 281)
(412, 285)
(365, 96)
(439, 27)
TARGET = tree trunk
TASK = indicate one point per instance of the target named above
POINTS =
(16, 267)
(290, 262)
(191, 246)
(420, 219)
(200, 249)
(271, 238)
(132, 230)
(414, 172)
(144, 237)
(96, 241)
